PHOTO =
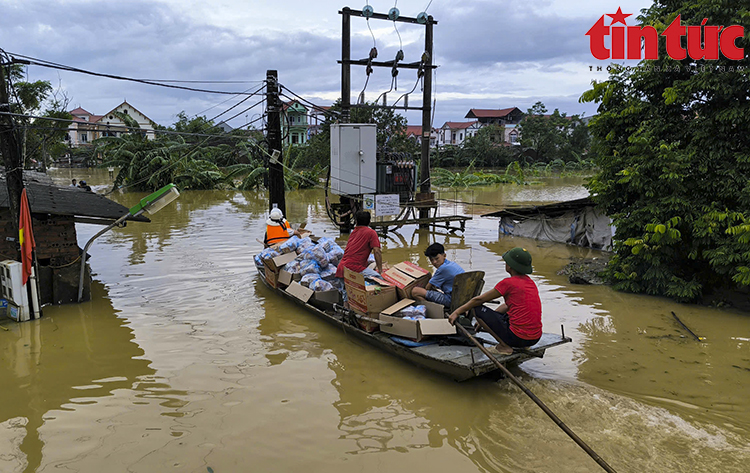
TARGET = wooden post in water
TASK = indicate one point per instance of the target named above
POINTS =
(424, 165)
(275, 169)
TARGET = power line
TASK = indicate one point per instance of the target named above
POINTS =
(241, 112)
(316, 107)
(62, 67)
(99, 127)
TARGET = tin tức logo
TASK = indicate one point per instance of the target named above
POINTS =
(642, 42)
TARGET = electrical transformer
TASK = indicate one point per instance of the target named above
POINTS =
(353, 158)
(397, 176)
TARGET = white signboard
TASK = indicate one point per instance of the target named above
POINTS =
(387, 204)
(368, 202)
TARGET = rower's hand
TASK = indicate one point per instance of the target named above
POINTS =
(453, 317)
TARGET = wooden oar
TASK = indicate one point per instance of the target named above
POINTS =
(538, 402)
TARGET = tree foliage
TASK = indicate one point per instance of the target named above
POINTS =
(42, 140)
(553, 136)
(674, 156)
(208, 161)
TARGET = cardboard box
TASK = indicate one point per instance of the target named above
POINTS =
(368, 300)
(406, 276)
(285, 278)
(278, 262)
(324, 300)
(299, 291)
(434, 324)
(272, 267)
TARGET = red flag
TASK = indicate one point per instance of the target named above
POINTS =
(26, 236)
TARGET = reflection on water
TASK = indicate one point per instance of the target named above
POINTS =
(184, 361)
(64, 362)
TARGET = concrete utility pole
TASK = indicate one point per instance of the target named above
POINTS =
(11, 153)
(346, 68)
(424, 168)
(275, 169)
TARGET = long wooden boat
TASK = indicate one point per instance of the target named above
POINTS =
(456, 361)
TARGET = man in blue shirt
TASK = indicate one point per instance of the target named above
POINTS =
(441, 285)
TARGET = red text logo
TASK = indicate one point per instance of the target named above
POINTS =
(642, 42)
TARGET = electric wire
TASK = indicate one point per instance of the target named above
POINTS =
(238, 104)
(419, 79)
(43, 63)
(103, 127)
(241, 112)
(220, 103)
(318, 108)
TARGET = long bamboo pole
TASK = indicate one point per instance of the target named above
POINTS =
(539, 403)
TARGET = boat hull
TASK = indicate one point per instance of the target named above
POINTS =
(455, 361)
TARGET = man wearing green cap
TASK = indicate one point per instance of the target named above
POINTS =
(517, 322)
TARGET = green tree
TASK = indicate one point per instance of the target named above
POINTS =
(486, 149)
(550, 137)
(672, 147)
(41, 139)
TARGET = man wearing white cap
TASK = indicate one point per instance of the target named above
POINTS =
(278, 229)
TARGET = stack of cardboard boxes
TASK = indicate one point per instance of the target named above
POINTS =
(382, 299)
(278, 278)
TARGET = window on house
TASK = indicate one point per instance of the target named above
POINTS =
(111, 117)
(295, 138)
(460, 136)
(125, 111)
(84, 138)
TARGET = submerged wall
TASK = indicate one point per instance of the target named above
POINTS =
(57, 253)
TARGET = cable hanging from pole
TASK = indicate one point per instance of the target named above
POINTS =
(43, 63)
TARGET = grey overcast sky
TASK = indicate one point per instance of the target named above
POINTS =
(490, 53)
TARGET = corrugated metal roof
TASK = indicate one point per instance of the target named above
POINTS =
(550, 210)
(45, 197)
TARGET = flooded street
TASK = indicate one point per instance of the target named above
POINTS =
(183, 361)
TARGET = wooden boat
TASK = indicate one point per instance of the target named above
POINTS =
(456, 361)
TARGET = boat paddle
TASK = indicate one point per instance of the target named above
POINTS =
(538, 402)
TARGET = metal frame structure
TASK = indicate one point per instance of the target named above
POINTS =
(424, 196)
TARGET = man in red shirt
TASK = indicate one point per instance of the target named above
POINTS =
(518, 321)
(362, 241)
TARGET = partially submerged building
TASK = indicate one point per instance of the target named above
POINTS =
(576, 222)
(54, 212)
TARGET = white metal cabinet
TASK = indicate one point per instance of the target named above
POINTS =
(353, 158)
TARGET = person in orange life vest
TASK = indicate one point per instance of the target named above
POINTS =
(278, 229)
(517, 322)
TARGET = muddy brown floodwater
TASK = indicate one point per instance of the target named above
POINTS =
(183, 361)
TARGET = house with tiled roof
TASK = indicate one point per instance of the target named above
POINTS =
(503, 116)
(455, 133)
(414, 133)
(86, 127)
